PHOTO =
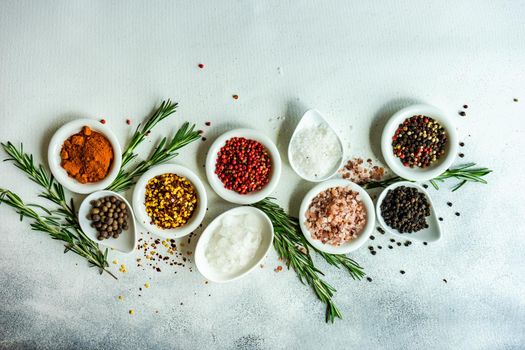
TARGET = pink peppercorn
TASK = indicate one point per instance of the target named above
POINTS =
(243, 165)
(103, 121)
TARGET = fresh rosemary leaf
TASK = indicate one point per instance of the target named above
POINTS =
(294, 249)
(464, 173)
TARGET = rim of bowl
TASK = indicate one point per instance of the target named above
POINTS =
(140, 209)
(200, 259)
(89, 231)
(54, 160)
(419, 174)
(348, 246)
(232, 196)
(395, 232)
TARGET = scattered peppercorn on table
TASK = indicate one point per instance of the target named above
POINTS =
(261, 65)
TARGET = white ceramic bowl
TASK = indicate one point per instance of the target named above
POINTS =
(232, 196)
(430, 234)
(202, 263)
(313, 118)
(436, 168)
(140, 208)
(54, 160)
(348, 246)
(126, 241)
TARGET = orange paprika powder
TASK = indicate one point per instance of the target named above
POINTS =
(87, 156)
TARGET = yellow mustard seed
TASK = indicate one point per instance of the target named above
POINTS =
(131, 312)
(170, 200)
(146, 285)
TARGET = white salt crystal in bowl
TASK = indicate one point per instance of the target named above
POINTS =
(315, 151)
(233, 244)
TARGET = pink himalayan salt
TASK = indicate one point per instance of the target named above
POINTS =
(336, 216)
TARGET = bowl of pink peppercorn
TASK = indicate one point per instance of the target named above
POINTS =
(243, 166)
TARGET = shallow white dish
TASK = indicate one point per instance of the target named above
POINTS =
(232, 196)
(430, 234)
(54, 160)
(348, 246)
(311, 118)
(201, 261)
(140, 208)
(126, 241)
(437, 168)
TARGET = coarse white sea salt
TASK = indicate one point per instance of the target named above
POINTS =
(316, 151)
(234, 243)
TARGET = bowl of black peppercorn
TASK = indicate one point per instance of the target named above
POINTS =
(405, 209)
(419, 142)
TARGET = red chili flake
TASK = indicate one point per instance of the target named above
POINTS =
(128, 121)
(235, 97)
(201, 65)
(243, 165)
(103, 121)
(207, 123)
(278, 268)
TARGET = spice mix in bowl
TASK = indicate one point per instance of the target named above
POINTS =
(170, 200)
(84, 156)
(243, 166)
(337, 216)
(419, 142)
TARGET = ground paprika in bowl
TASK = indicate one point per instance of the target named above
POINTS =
(87, 156)
(84, 156)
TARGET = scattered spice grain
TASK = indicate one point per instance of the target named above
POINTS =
(356, 170)
(462, 113)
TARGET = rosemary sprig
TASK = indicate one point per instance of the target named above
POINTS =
(292, 247)
(164, 151)
(465, 173)
(51, 225)
(165, 109)
(51, 190)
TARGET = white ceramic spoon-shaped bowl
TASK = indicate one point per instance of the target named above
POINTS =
(200, 251)
(126, 241)
(430, 234)
(312, 118)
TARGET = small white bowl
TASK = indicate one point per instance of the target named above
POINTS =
(126, 241)
(232, 196)
(139, 194)
(430, 234)
(202, 262)
(436, 168)
(313, 118)
(348, 246)
(54, 160)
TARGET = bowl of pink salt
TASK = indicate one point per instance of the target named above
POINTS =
(337, 216)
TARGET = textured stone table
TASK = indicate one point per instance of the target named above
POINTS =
(357, 62)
